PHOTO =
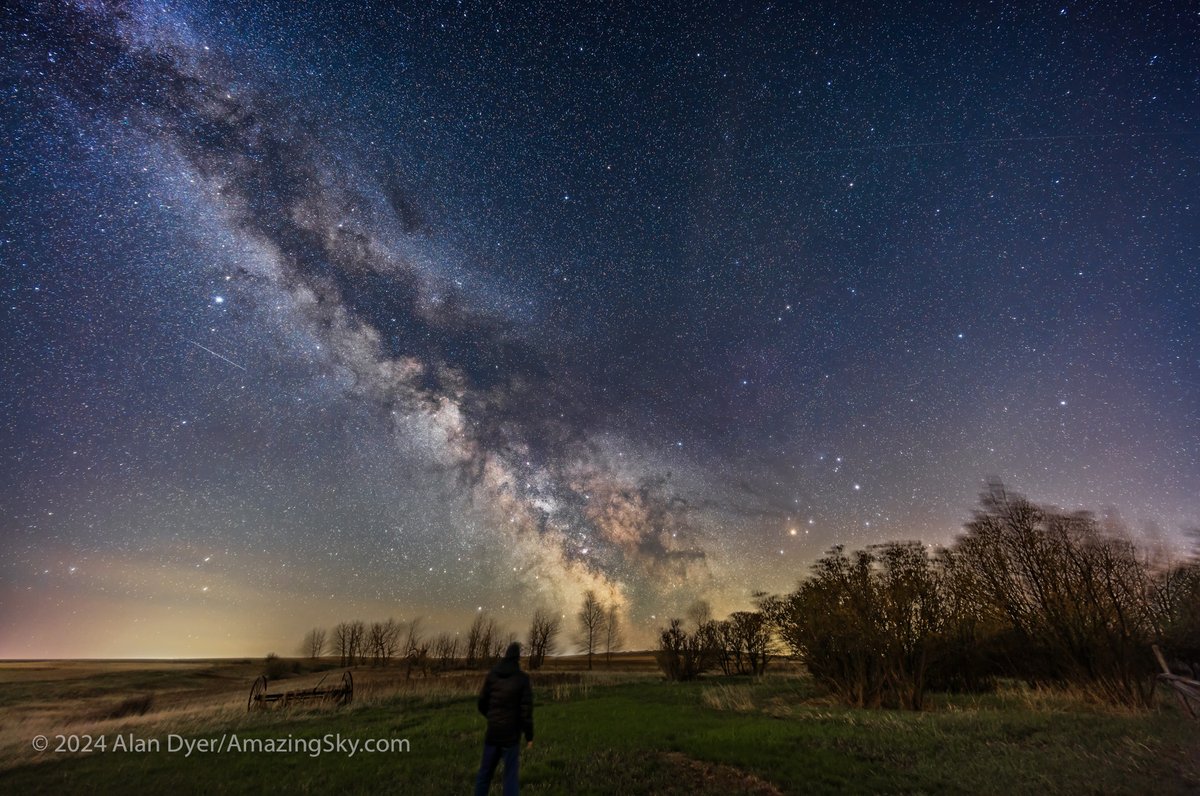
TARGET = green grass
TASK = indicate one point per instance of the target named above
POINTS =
(655, 737)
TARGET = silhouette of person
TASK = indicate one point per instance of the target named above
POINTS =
(506, 699)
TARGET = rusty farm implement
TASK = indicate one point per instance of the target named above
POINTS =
(1187, 691)
(341, 694)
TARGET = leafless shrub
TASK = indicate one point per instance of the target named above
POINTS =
(445, 651)
(314, 643)
(1052, 597)
(543, 635)
(591, 619)
(685, 656)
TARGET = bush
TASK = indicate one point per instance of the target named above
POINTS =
(1176, 599)
(1029, 591)
(744, 643)
(866, 624)
(1070, 599)
(685, 656)
(276, 668)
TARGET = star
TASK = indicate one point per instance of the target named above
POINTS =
(423, 308)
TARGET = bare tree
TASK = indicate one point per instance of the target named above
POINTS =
(488, 641)
(445, 650)
(1030, 591)
(614, 633)
(343, 643)
(390, 642)
(1073, 592)
(415, 637)
(543, 634)
(474, 634)
(416, 649)
(358, 642)
(751, 641)
(376, 642)
(500, 641)
(482, 638)
(699, 613)
(685, 656)
(728, 651)
(591, 617)
(314, 643)
(867, 623)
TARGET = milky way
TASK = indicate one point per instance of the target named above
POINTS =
(338, 312)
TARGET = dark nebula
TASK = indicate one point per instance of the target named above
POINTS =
(340, 311)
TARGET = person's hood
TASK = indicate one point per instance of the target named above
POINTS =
(511, 663)
(507, 667)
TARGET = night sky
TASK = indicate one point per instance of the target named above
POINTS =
(316, 312)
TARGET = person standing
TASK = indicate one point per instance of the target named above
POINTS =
(506, 700)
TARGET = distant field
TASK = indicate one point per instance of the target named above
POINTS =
(618, 730)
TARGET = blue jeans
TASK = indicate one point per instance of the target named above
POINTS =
(491, 759)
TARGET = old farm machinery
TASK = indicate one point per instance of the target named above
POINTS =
(1187, 691)
(341, 694)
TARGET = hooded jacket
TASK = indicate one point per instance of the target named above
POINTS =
(507, 701)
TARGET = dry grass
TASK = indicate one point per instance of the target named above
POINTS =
(621, 730)
(154, 698)
(1066, 699)
(737, 698)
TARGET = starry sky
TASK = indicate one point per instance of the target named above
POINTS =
(319, 311)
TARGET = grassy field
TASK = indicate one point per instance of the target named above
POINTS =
(619, 731)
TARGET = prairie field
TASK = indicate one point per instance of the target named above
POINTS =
(619, 728)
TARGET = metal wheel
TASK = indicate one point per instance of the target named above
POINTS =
(256, 692)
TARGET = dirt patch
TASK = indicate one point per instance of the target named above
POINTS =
(700, 776)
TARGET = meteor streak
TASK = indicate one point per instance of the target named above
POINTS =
(215, 354)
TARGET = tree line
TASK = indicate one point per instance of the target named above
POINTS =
(599, 630)
(409, 644)
(1028, 592)
(741, 644)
